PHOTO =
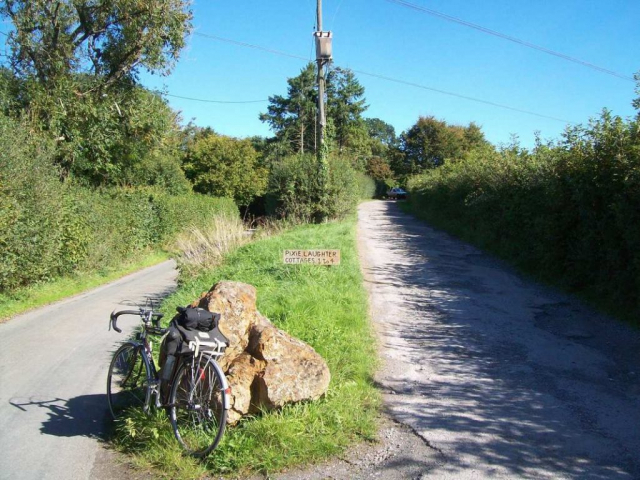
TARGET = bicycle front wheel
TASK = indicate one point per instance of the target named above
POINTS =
(197, 406)
(128, 381)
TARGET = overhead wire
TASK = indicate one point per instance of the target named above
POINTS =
(392, 79)
(249, 45)
(211, 101)
(504, 36)
(335, 13)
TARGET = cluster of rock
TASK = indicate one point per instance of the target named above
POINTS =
(265, 366)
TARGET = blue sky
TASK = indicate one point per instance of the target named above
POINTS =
(381, 37)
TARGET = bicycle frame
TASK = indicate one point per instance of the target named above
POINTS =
(200, 349)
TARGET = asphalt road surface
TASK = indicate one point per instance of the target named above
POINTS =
(53, 371)
(500, 377)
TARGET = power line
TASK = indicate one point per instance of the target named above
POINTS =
(335, 13)
(210, 101)
(395, 80)
(453, 19)
(249, 45)
(457, 95)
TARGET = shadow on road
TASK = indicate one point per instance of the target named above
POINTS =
(505, 375)
(85, 416)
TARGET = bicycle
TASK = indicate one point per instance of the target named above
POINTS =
(197, 394)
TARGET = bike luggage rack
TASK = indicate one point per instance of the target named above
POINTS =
(215, 348)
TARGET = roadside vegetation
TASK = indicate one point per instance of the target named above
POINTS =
(96, 169)
(566, 211)
(324, 306)
(37, 295)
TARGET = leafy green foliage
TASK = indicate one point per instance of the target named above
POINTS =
(366, 186)
(569, 211)
(224, 166)
(294, 189)
(381, 131)
(109, 39)
(74, 71)
(115, 138)
(345, 105)
(293, 118)
(32, 216)
(49, 228)
(431, 142)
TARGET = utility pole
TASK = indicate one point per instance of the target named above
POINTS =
(323, 57)
(321, 60)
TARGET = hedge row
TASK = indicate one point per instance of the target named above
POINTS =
(294, 188)
(49, 228)
(567, 211)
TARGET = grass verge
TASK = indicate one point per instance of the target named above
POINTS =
(324, 306)
(27, 298)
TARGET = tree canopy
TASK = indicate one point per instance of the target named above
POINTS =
(110, 39)
(223, 166)
(293, 117)
(72, 71)
(430, 142)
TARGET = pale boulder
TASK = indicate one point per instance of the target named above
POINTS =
(266, 367)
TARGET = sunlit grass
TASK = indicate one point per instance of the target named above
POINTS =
(324, 306)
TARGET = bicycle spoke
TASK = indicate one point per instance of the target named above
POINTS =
(197, 412)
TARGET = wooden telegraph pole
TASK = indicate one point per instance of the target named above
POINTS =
(323, 57)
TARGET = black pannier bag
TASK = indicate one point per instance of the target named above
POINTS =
(188, 324)
(198, 319)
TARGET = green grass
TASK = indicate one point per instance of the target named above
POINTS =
(37, 295)
(324, 306)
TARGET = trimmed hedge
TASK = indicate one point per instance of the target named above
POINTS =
(567, 211)
(49, 228)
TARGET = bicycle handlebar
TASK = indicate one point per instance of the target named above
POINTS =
(142, 313)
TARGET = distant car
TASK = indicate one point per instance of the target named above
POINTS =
(396, 193)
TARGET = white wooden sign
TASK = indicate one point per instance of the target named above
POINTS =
(311, 257)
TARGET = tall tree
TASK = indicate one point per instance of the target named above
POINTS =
(111, 39)
(430, 142)
(293, 117)
(75, 64)
(382, 131)
(345, 105)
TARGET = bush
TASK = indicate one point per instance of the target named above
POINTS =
(366, 186)
(568, 211)
(49, 228)
(32, 217)
(294, 189)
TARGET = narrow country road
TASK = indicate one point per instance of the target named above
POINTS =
(500, 377)
(53, 368)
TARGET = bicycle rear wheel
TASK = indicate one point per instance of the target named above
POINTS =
(128, 380)
(197, 406)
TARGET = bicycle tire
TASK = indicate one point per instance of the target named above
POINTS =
(128, 380)
(197, 406)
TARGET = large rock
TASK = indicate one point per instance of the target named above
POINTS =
(294, 371)
(242, 376)
(266, 367)
(236, 304)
